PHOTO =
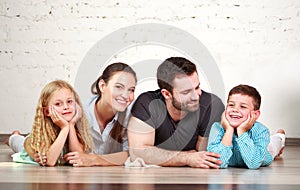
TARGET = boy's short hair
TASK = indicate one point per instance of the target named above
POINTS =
(249, 91)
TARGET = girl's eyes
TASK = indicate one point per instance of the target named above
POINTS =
(58, 104)
(70, 101)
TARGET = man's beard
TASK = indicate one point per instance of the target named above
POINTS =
(184, 107)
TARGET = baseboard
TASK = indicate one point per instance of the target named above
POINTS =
(288, 142)
(292, 142)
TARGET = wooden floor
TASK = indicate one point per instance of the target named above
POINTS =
(283, 174)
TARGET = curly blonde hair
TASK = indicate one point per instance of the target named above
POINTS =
(44, 131)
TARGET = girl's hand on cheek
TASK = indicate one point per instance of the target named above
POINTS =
(77, 115)
(56, 118)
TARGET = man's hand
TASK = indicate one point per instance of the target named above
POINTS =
(204, 159)
(79, 158)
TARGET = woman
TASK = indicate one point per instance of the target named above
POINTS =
(107, 113)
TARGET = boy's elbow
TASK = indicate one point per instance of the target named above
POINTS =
(253, 167)
(224, 166)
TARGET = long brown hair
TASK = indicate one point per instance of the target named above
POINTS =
(44, 131)
(117, 131)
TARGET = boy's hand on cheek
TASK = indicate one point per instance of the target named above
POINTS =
(225, 123)
(247, 124)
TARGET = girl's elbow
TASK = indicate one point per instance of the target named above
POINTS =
(50, 163)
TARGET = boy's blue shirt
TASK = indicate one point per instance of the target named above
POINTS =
(249, 150)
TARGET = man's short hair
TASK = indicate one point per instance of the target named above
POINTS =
(172, 67)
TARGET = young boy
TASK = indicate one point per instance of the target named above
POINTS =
(239, 143)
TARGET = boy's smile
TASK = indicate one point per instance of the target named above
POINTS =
(238, 109)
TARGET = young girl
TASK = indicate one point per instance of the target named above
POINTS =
(107, 114)
(59, 126)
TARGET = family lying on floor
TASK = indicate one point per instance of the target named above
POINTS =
(177, 125)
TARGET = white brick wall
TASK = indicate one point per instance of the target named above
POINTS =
(252, 41)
